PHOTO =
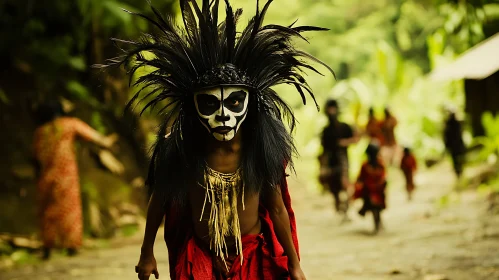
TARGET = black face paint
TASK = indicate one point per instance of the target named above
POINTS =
(222, 110)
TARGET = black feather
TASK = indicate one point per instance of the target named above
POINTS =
(181, 60)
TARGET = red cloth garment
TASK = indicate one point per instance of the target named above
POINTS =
(408, 166)
(58, 187)
(371, 184)
(263, 255)
(388, 128)
(374, 131)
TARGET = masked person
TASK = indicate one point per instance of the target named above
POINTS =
(336, 137)
(219, 178)
(371, 186)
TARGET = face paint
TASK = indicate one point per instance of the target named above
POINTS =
(222, 110)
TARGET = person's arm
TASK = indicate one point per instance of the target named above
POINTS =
(280, 219)
(88, 133)
(348, 141)
(106, 157)
(352, 138)
(147, 262)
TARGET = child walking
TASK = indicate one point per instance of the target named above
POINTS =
(371, 185)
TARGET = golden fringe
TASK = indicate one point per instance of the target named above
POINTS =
(222, 191)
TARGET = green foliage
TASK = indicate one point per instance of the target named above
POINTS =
(464, 21)
(5, 249)
(129, 230)
(3, 97)
(97, 123)
(23, 257)
(77, 63)
(89, 189)
(490, 186)
(77, 90)
(58, 40)
(489, 142)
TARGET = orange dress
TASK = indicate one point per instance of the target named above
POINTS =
(58, 185)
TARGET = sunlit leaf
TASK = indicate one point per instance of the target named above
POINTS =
(3, 97)
(78, 63)
(77, 90)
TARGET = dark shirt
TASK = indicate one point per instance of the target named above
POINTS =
(331, 135)
(453, 137)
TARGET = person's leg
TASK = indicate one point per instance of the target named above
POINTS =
(345, 186)
(72, 252)
(456, 163)
(336, 201)
(71, 220)
(409, 186)
(335, 188)
(46, 253)
(459, 166)
(365, 207)
(49, 237)
(409, 193)
(377, 220)
(344, 201)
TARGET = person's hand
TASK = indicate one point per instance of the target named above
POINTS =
(146, 267)
(296, 273)
(110, 162)
(109, 140)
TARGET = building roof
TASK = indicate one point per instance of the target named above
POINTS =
(477, 63)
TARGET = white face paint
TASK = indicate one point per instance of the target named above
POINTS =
(222, 110)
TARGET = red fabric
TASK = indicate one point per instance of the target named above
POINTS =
(372, 181)
(388, 128)
(374, 130)
(263, 254)
(408, 163)
(408, 166)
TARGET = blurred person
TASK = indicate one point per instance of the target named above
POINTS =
(389, 143)
(58, 185)
(371, 186)
(336, 137)
(218, 179)
(454, 143)
(373, 128)
(408, 165)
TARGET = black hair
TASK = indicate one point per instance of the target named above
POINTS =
(48, 111)
(331, 103)
(372, 152)
(388, 112)
(207, 53)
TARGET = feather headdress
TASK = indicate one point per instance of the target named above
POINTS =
(206, 52)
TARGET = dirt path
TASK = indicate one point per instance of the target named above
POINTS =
(421, 241)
